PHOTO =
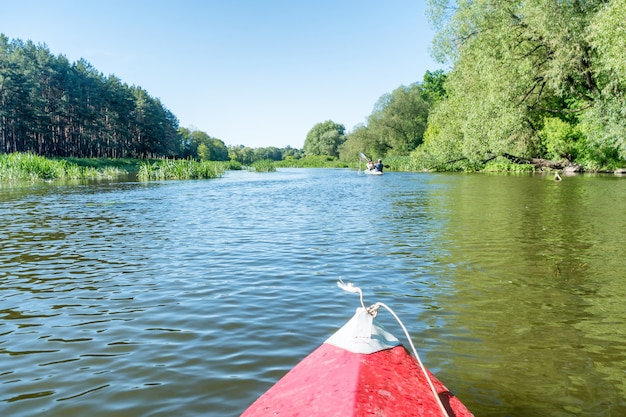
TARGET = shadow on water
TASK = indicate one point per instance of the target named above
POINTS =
(538, 275)
(193, 297)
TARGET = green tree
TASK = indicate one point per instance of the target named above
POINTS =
(198, 144)
(271, 153)
(51, 107)
(605, 123)
(325, 139)
(242, 154)
(514, 67)
(433, 86)
(360, 140)
(399, 120)
(561, 139)
(203, 152)
(607, 33)
(289, 152)
(219, 151)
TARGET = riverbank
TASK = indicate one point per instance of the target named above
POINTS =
(16, 167)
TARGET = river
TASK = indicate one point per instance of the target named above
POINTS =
(191, 298)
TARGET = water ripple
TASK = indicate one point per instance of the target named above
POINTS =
(192, 297)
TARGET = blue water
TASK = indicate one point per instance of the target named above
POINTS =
(190, 298)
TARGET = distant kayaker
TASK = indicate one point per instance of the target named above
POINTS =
(378, 166)
(370, 165)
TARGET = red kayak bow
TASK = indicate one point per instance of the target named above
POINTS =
(361, 370)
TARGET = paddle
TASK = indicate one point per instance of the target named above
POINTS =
(365, 158)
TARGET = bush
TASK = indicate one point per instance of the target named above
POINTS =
(561, 139)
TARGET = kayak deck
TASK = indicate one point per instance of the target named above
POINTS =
(333, 382)
(359, 371)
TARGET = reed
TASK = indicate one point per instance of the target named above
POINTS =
(180, 170)
(399, 163)
(20, 166)
(124, 165)
(264, 165)
(313, 161)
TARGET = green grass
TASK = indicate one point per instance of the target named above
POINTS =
(127, 165)
(30, 167)
(264, 165)
(17, 166)
(400, 163)
(504, 165)
(181, 169)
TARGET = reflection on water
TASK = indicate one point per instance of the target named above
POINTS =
(192, 297)
(535, 262)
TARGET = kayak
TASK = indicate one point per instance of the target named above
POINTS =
(368, 170)
(361, 370)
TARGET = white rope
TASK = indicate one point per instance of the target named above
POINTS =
(349, 287)
(373, 310)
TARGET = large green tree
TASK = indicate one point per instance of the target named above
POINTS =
(199, 145)
(519, 71)
(52, 107)
(242, 154)
(270, 152)
(325, 139)
(605, 123)
(399, 120)
(246, 155)
(360, 140)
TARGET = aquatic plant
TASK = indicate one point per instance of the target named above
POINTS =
(20, 166)
(263, 165)
(180, 169)
(312, 161)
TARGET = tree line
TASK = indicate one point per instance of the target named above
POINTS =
(396, 126)
(52, 107)
(539, 83)
(529, 82)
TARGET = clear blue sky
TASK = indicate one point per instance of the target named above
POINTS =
(249, 72)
